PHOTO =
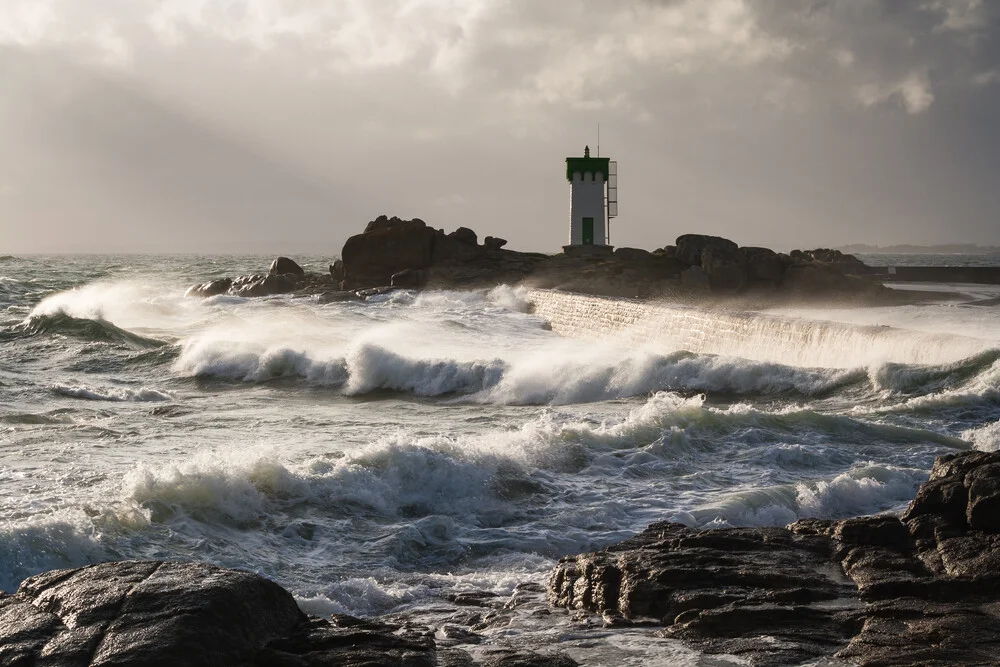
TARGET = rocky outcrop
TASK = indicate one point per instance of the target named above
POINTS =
(825, 255)
(285, 276)
(689, 247)
(154, 613)
(412, 255)
(283, 265)
(162, 614)
(387, 246)
(211, 288)
(921, 589)
(764, 266)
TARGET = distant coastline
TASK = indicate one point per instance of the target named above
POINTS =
(908, 249)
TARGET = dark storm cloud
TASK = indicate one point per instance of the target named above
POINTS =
(265, 124)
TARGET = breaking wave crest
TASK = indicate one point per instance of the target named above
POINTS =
(562, 375)
(117, 394)
(90, 330)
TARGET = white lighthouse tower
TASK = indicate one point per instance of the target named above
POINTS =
(593, 200)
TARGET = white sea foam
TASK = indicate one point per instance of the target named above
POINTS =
(750, 335)
(985, 438)
(863, 490)
(132, 305)
(117, 394)
(214, 486)
(371, 368)
(64, 539)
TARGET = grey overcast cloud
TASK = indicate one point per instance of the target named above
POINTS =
(271, 126)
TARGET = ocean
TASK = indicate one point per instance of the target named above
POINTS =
(386, 457)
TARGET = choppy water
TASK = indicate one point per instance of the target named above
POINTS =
(372, 457)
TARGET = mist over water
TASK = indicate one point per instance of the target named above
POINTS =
(374, 456)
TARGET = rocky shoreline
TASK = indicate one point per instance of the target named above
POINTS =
(920, 589)
(393, 253)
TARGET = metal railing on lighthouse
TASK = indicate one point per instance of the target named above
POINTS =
(612, 198)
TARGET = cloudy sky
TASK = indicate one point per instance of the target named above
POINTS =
(285, 125)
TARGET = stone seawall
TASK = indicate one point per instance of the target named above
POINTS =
(984, 275)
(750, 335)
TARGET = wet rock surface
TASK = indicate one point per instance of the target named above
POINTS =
(923, 589)
(152, 614)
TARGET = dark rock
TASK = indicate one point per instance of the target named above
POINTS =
(260, 285)
(983, 511)
(283, 265)
(373, 291)
(452, 248)
(162, 614)
(465, 235)
(213, 288)
(144, 613)
(346, 641)
(921, 590)
(632, 254)
(694, 278)
(472, 598)
(387, 247)
(512, 658)
(883, 531)
(337, 297)
(725, 266)
(818, 279)
(384, 222)
(763, 265)
(408, 279)
(337, 270)
(690, 247)
(421, 256)
(825, 255)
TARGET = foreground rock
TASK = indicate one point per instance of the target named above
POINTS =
(157, 614)
(923, 589)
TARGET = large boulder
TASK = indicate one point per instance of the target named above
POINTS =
(337, 271)
(387, 246)
(456, 247)
(408, 279)
(494, 243)
(282, 266)
(632, 254)
(689, 247)
(144, 613)
(385, 222)
(212, 288)
(923, 589)
(255, 285)
(763, 265)
(173, 614)
(465, 235)
(725, 266)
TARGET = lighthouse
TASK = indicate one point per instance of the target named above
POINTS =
(593, 200)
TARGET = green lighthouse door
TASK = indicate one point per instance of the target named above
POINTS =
(588, 231)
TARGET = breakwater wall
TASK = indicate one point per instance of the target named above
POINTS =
(987, 275)
(750, 335)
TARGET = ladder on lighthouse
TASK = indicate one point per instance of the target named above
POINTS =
(611, 200)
